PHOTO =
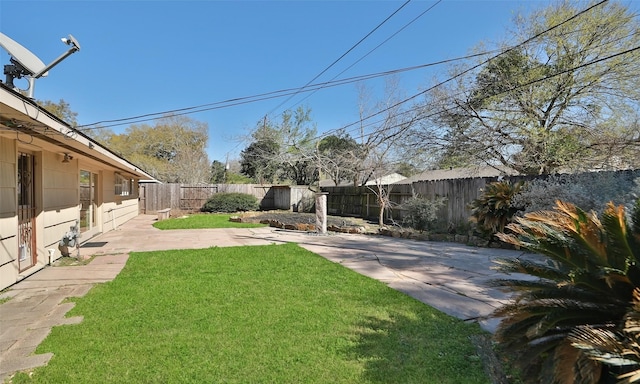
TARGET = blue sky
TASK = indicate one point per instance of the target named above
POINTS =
(141, 57)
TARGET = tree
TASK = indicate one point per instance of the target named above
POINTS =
(298, 140)
(61, 110)
(172, 150)
(566, 99)
(258, 162)
(218, 171)
(381, 145)
(406, 169)
(282, 150)
(338, 156)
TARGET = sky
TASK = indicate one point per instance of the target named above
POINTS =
(147, 57)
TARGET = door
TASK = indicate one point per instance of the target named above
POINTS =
(27, 251)
(88, 206)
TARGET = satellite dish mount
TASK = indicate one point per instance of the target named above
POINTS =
(25, 64)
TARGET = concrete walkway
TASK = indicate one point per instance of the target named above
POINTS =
(448, 276)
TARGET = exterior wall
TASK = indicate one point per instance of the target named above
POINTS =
(57, 195)
(61, 193)
(59, 201)
(8, 214)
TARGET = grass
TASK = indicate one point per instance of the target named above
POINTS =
(267, 314)
(202, 221)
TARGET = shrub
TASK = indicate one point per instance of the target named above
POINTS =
(230, 202)
(421, 213)
(494, 209)
(589, 191)
(577, 321)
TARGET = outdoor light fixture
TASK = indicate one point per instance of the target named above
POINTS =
(67, 158)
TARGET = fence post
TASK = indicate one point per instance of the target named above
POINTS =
(321, 212)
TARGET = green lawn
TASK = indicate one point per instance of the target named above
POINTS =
(267, 314)
(201, 221)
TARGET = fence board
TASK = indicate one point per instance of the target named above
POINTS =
(362, 201)
(185, 197)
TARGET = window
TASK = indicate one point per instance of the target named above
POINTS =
(123, 186)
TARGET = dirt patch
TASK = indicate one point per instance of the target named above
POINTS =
(307, 221)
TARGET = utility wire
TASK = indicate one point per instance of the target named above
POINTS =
(371, 51)
(341, 57)
(535, 81)
(265, 96)
(273, 94)
(512, 48)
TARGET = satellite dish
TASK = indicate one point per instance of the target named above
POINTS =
(25, 63)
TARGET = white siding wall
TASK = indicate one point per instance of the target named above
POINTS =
(58, 200)
(8, 218)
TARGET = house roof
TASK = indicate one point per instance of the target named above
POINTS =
(459, 173)
(20, 115)
(386, 179)
(331, 183)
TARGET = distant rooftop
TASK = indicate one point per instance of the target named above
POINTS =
(459, 173)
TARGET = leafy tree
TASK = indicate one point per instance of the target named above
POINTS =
(61, 110)
(406, 169)
(339, 156)
(282, 150)
(172, 150)
(567, 99)
(297, 135)
(237, 178)
(585, 288)
(258, 162)
(218, 171)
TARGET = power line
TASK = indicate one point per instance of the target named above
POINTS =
(281, 93)
(535, 81)
(374, 49)
(341, 57)
(512, 48)
(270, 95)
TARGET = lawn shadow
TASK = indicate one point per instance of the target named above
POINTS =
(430, 348)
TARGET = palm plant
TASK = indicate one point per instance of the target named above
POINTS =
(586, 283)
(493, 210)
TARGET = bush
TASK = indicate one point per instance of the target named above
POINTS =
(590, 191)
(421, 213)
(230, 202)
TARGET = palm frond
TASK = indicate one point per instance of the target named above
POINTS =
(550, 270)
(619, 246)
(572, 366)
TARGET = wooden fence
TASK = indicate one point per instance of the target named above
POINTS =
(342, 201)
(184, 197)
(459, 193)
